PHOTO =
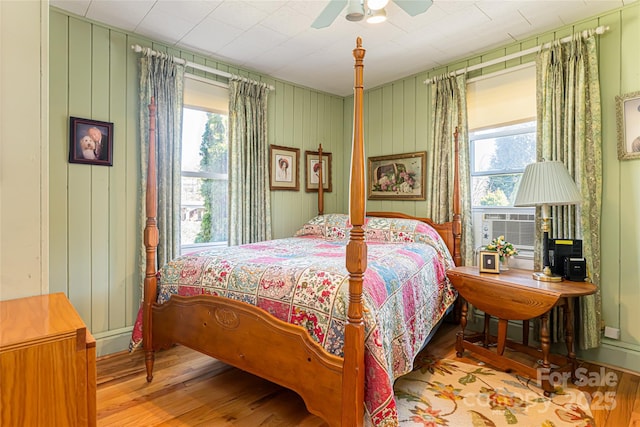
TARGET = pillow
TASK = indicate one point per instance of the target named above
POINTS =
(330, 227)
(377, 230)
(389, 230)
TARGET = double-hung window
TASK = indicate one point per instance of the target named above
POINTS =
(502, 142)
(204, 214)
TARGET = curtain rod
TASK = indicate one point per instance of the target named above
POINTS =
(599, 30)
(137, 48)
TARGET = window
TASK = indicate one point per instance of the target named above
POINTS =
(498, 158)
(500, 107)
(204, 214)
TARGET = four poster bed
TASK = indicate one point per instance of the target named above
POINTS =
(288, 311)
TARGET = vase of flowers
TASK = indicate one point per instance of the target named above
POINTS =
(505, 251)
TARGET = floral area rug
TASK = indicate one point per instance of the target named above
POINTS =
(444, 392)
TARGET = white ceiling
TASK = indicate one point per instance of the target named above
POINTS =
(276, 38)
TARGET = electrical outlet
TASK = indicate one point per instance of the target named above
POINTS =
(613, 333)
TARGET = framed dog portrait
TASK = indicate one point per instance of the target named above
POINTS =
(285, 167)
(628, 121)
(90, 142)
(312, 175)
(489, 262)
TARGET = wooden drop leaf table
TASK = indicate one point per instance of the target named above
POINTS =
(515, 295)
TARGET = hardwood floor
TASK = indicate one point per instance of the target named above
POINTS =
(190, 389)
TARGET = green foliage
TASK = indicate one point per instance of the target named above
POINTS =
(513, 152)
(214, 158)
(494, 198)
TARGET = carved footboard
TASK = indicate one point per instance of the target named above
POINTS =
(250, 339)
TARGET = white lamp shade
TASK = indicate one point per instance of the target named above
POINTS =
(547, 183)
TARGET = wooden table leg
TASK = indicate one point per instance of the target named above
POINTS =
(460, 334)
(502, 336)
(545, 345)
(487, 330)
(568, 326)
(525, 332)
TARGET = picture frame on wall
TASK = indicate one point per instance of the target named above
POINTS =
(397, 177)
(489, 262)
(90, 142)
(312, 175)
(628, 125)
(284, 168)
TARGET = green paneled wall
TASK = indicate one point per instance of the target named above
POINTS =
(94, 238)
(94, 235)
(397, 119)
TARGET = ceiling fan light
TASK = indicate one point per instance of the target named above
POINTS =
(355, 11)
(376, 16)
(377, 4)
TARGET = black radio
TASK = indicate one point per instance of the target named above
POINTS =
(575, 269)
(559, 249)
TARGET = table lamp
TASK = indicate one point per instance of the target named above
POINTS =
(546, 184)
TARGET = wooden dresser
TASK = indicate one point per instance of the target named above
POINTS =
(47, 364)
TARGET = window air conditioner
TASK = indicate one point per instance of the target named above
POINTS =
(516, 228)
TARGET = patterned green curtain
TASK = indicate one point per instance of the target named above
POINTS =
(569, 130)
(163, 79)
(249, 195)
(449, 106)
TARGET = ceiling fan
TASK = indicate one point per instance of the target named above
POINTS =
(374, 10)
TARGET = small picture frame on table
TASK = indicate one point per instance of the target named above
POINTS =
(489, 262)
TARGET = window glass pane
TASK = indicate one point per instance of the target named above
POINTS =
(498, 157)
(204, 210)
(204, 177)
(494, 190)
(507, 148)
(193, 123)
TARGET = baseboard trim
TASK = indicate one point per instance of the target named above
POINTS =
(113, 341)
(612, 356)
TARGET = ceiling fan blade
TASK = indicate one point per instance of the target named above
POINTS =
(329, 14)
(414, 7)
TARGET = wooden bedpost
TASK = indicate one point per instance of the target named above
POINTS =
(353, 375)
(320, 183)
(457, 221)
(151, 244)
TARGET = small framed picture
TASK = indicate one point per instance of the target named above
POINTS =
(285, 167)
(628, 124)
(90, 142)
(313, 164)
(489, 262)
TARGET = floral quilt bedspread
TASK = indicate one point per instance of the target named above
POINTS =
(303, 280)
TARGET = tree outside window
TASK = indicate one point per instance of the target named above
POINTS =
(499, 156)
(204, 177)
